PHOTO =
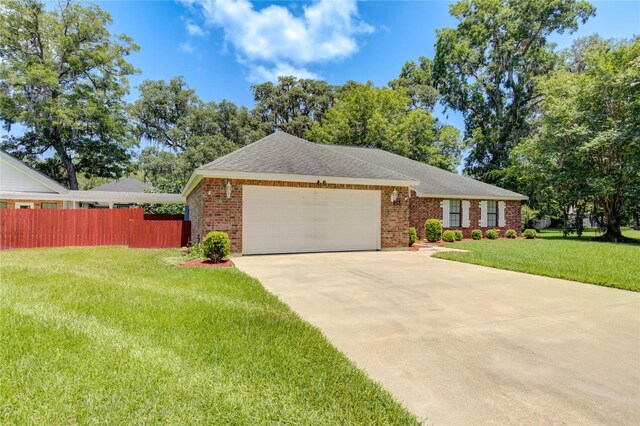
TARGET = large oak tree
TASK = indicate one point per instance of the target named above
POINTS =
(63, 78)
(486, 68)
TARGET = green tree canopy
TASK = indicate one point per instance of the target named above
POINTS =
(63, 78)
(417, 81)
(486, 68)
(382, 118)
(589, 128)
(293, 105)
(173, 117)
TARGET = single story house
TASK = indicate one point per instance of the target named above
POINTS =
(283, 194)
(23, 187)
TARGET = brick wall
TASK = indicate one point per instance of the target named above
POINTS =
(422, 209)
(36, 203)
(219, 213)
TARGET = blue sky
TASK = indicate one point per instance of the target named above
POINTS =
(222, 48)
(216, 58)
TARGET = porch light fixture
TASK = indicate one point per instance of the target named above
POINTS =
(227, 189)
(394, 195)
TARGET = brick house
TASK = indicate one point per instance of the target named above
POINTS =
(283, 194)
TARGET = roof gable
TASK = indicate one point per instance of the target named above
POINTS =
(16, 176)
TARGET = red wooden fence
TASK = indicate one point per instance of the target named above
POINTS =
(24, 228)
(159, 233)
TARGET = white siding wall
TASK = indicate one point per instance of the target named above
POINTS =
(14, 180)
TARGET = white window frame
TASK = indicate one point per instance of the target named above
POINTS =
(495, 214)
(21, 205)
(459, 224)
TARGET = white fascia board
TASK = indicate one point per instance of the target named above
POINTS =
(98, 196)
(285, 177)
(34, 196)
(473, 197)
(127, 197)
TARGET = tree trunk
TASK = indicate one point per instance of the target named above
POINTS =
(67, 162)
(612, 207)
(636, 219)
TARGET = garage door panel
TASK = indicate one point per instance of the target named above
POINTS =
(290, 220)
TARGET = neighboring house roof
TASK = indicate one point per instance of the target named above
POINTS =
(19, 181)
(434, 182)
(281, 156)
(124, 185)
(19, 176)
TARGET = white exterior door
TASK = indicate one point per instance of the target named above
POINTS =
(298, 220)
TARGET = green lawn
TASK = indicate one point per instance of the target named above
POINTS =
(589, 233)
(121, 336)
(607, 264)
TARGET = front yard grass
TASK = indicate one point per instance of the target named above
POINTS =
(121, 336)
(606, 264)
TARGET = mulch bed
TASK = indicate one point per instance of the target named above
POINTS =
(206, 263)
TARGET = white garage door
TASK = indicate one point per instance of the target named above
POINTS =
(298, 220)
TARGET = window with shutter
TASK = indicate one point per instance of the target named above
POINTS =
(454, 213)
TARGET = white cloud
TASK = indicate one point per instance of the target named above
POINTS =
(260, 73)
(273, 40)
(195, 30)
(186, 47)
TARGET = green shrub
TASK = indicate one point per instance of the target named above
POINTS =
(216, 246)
(413, 235)
(449, 236)
(492, 234)
(511, 233)
(195, 252)
(433, 230)
(458, 234)
(529, 234)
(476, 234)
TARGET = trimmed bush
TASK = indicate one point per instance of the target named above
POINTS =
(216, 245)
(458, 234)
(476, 234)
(529, 234)
(449, 236)
(511, 234)
(413, 235)
(433, 230)
(493, 234)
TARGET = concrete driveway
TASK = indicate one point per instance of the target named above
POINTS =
(465, 344)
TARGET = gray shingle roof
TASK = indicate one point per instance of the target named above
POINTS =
(433, 181)
(283, 153)
(123, 185)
